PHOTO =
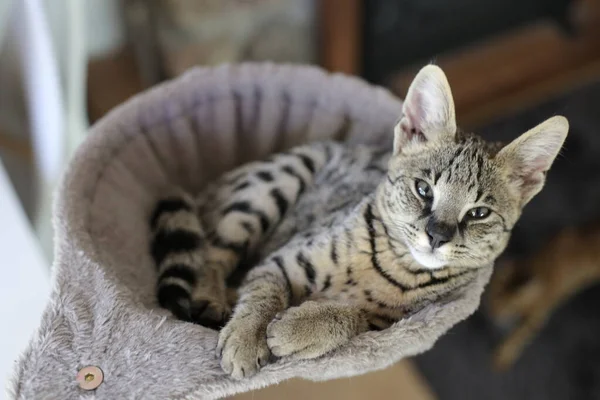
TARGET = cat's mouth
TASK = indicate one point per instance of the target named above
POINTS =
(428, 258)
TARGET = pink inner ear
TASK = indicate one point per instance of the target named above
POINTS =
(413, 112)
(537, 165)
(531, 179)
(532, 172)
(411, 132)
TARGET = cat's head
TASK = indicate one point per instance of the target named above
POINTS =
(454, 198)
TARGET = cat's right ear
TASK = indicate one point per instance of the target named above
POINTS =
(428, 110)
(531, 155)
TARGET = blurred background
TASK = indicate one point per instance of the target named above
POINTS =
(511, 63)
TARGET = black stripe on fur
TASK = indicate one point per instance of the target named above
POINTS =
(265, 176)
(246, 208)
(176, 241)
(333, 254)
(309, 269)
(288, 285)
(308, 162)
(176, 299)
(180, 271)
(288, 169)
(241, 186)
(280, 201)
(327, 283)
(369, 217)
(169, 205)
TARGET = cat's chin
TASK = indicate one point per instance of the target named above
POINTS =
(427, 259)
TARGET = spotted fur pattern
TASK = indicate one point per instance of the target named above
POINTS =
(345, 238)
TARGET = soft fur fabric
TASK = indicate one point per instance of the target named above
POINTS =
(103, 310)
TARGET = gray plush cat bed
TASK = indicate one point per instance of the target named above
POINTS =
(103, 312)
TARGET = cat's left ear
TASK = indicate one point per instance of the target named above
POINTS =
(531, 155)
(428, 109)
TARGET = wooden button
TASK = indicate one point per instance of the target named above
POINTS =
(89, 378)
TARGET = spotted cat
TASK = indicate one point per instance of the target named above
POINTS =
(338, 239)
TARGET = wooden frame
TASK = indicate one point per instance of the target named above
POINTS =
(340, 35)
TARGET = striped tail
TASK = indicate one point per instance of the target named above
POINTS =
(177, 250)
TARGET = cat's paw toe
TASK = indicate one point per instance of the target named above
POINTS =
(291, 336)
(243, 349)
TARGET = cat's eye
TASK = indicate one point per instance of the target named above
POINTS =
(423, 189)
(478, 212)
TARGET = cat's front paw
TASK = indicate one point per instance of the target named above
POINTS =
(242, 346)
(302, 332)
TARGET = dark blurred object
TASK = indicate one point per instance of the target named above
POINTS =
(562, 361)
(528, 290)
(399, 33)
(518, 68)
(499, 55)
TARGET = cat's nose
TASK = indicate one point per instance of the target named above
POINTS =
(439, 233)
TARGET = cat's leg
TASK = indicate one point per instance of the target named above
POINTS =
(314, 328)
(238, 212)
(248, 204)
(242, 345)
(178, 249)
